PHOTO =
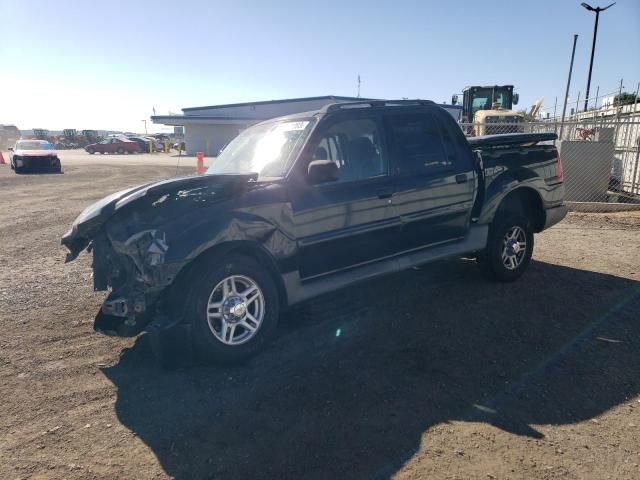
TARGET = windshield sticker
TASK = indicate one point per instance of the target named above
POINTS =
(290, 126)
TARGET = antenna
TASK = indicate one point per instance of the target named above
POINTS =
(358, 85)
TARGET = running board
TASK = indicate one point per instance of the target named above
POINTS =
(299, 291)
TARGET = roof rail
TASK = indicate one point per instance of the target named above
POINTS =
(332, 107)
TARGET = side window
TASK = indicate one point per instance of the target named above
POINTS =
(455, 144)
(354, 145)
(417, 144)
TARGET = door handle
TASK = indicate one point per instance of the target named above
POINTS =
(461, 178)
(385, 193)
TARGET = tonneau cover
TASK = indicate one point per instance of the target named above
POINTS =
(509, 139)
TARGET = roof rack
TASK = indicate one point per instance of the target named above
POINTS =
(332, 107)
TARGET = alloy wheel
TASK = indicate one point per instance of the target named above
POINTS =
(235, 309)
(514, 248)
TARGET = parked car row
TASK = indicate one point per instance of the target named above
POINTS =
(127, 144)
(143, 143)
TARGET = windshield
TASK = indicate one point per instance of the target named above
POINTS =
(267, 149)
(484, 97)
(34, 146)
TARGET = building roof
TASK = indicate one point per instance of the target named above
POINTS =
(286, 100)
(179, 120)
(200, 117)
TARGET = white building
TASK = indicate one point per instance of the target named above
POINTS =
(208, 129)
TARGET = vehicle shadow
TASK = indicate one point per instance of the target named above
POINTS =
(356, 377)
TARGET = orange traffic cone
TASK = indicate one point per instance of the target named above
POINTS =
(200, 163)
(2, 162)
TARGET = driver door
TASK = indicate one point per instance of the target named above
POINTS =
(348, 222)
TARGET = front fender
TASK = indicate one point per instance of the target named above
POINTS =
(164, 234)
(186, 244)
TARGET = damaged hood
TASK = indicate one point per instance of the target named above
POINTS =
(94, 216)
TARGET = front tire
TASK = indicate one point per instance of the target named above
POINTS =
(233, 308)
(91, 151)
(509, 249)
(121, 151)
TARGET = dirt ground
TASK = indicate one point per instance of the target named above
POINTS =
(430, 373)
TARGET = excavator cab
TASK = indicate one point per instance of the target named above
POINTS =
(489, 109)
(41, 134)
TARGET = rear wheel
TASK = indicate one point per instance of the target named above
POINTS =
(509, 248)
(120, 151)
(233, 309)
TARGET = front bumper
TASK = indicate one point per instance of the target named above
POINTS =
(37, 162)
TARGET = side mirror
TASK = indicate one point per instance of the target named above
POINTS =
(10, 149)
(321, 171)
(516, 98)
(454, 100)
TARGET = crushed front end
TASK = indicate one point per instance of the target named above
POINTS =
(128, 250)
(134, 273)
(141, 238)
(34, 162)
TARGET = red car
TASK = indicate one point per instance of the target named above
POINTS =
(113, 145)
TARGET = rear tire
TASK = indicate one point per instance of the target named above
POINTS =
(120, 151)
(232, 306)
(509, 248)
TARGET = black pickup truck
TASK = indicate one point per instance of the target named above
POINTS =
(301, 205)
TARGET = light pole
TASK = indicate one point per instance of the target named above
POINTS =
(593, 46)
(566, 95)
(145, 126)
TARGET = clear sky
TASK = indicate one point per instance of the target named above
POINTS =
(106, 65)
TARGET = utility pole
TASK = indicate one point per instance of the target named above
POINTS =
(593, 46)
(566, 94)
(358, 85)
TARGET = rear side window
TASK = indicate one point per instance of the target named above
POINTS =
(455, 144)
(418, 145)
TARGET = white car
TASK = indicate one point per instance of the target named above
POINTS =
(34, 155)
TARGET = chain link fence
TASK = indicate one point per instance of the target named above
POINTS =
(600, 157)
